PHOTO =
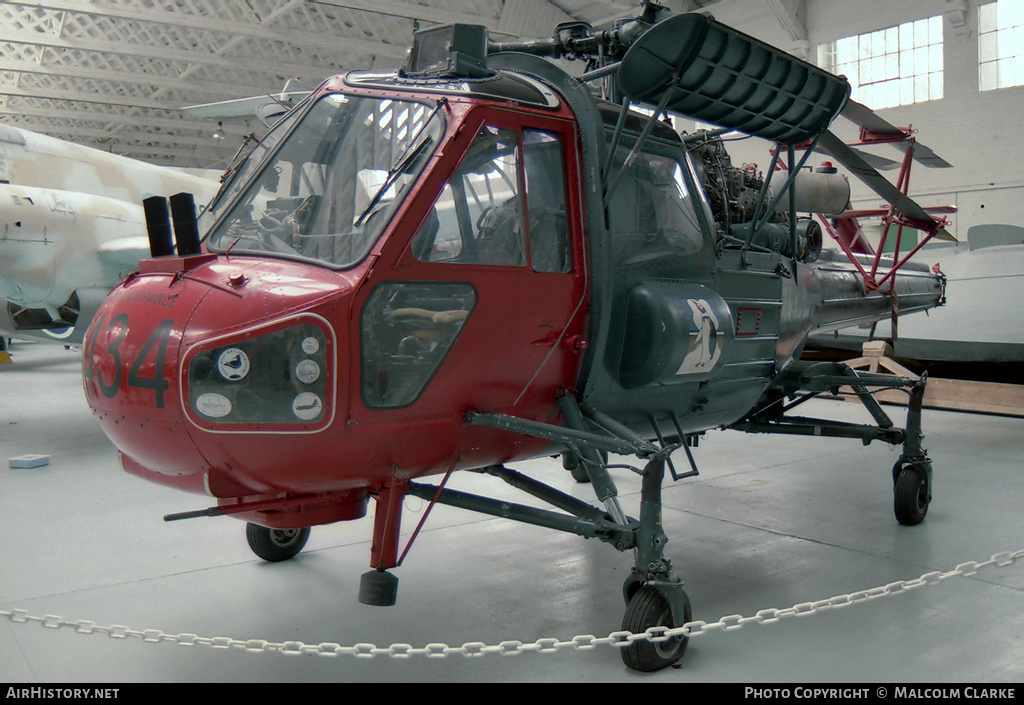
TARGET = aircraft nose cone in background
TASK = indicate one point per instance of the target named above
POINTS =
(71, 228)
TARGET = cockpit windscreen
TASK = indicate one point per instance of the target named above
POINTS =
(330, 188)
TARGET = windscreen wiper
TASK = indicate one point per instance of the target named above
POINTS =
(404, 159)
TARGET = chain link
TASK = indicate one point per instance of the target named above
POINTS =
(618, 639)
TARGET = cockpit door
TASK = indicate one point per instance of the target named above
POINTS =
(485, 307)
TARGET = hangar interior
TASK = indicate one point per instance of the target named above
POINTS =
(769, 523)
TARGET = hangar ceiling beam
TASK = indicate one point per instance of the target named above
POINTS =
(178, 138)
(528, 18)
(142, 79)
(150, 52)
(261, 30)
(84, 97)
(105, 118)
(412, 11)
(790, 14)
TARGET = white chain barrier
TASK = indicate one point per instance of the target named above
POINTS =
(618, 639)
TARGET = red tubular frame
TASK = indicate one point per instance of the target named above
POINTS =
(853, 236)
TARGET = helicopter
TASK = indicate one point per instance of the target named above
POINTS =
(478, 259)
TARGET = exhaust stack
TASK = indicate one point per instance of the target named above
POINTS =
(158, 226)
(186, 232)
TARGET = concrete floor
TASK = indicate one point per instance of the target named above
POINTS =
(771, 522)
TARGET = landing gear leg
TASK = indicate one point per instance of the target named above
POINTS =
(912, 474)
(654, 595)
(379, 587)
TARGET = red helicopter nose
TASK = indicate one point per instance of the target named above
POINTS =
(191, 353)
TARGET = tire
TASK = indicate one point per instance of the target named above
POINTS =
(275, 544)
(910, 496)
(648, 608)
(575, 467)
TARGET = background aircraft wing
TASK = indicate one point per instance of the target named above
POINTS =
(126, 251)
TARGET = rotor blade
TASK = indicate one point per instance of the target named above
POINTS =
(846, 156)
(871, 159)
(876, 161)
(865, 117)
(862, 115)
(243, 107)
(924, 155)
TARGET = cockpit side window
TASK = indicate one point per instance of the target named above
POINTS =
(651, 212)
(481, 216)
(478, 218)
(543, 160)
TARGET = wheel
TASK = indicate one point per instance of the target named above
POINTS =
(910, 496)
(275, 544)
(648, 608)
(572, 463)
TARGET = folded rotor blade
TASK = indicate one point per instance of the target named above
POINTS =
(924, 155)
(865, 117)
(862, 115)
(878, 162)
(845, 155)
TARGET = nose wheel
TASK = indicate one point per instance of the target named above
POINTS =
(654, 596)
(275, 544)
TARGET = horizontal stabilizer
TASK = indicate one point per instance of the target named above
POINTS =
(717, 74)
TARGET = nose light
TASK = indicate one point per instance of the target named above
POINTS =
(273, 378)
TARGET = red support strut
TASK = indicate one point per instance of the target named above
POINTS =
(387, 524)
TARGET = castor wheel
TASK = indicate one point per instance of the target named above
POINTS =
(911, 496)
(648, 608)
(275, 544)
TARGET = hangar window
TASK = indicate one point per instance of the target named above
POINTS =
(893, 66)
(1001, 44)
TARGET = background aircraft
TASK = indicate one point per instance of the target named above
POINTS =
(71, 227)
